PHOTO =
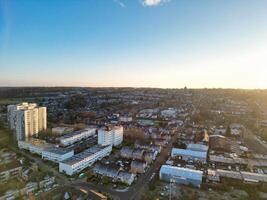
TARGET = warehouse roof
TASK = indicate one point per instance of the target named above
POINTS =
(181, 172)
(85, 154)
(188, 152)
(197, 147)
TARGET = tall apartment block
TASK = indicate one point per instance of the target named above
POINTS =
(26, 119)
(110, 135)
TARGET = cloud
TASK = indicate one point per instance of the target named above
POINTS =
(121, 4)
(153, 2)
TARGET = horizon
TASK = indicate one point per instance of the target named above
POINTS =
(167, 44)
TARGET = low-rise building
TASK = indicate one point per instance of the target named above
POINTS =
(138, 154)
(181, 175)
(47, 182)
(115, 173)
(126, 152)
(76, 136)
(106, 170)
(34, 145)
(57, 154)
(62, 130)
(149, 157)
(47, 151)
(138, 167)
(197, 147)
(126, 177)
(189, 155)
(84, 159)
(10, 170)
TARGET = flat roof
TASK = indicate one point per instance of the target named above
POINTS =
(59, 151)
(200, 147)
(189, 152)
(43, 145)
(81, 156)
(38, 143)
(70, 135)
(181, 172)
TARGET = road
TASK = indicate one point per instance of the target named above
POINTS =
(135, 191)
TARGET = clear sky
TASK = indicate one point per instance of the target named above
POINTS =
(138, 43)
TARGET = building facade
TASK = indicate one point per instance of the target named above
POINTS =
(47, 151)
(26, 119)
(190, 155)
(8, 174)
(110, 135)
(84, 159)
(181, 175)
(76, 136)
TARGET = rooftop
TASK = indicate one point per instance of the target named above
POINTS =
(189, 152)
(181, 172)
(81, 156)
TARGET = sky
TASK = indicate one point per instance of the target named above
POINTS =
(134, 43)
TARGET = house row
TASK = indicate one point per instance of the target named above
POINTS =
(115, 173)
(240, 175)
(138, 154)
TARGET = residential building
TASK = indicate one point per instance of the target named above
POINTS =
(76, 136)
(126, 152)
(26, 119)
(47, 151)
(180, 175)
(126, 177)
(10, 170)
(138, 167)
(61, 130)
(84, 159)
(115, 173)
(106, 170)
(110, 135)
(189, 155)
(197, 147)
(57, 154)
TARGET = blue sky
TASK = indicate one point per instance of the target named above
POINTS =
(139, 43)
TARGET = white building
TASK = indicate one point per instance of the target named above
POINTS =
(126, 119)
(190, 155)
(47, 151)
(197, 147)
(84, 159)
(76, 136)
(26, 119)
(180, 175)
(110, 135)
(57, 154)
